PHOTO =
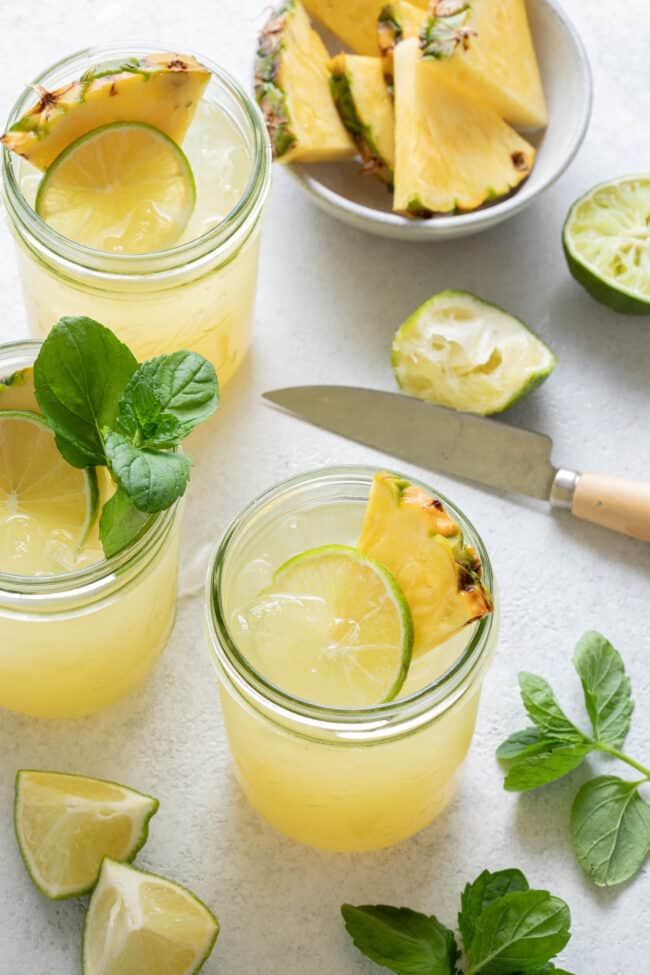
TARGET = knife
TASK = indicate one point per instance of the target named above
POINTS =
(471, 447)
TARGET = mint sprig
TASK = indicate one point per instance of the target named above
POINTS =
(505, 929)
(107, 410)
(610, 820)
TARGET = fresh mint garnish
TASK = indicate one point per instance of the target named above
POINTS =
(506, 929)
(610, 820)
(107, 410)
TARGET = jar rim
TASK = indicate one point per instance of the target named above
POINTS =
(348, 722)
(90, 576)
(244, 213)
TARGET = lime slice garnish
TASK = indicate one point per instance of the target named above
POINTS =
(141, 924)
(333, 628)
(464, 353)
(606, 240)
(47, 507)
(67, 824)
(125, 187)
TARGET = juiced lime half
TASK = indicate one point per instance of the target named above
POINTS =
(67, 824)
(125, 187)
(47, 507)
(334, 628)
(606, 241)
(141, 924)
(459, 351)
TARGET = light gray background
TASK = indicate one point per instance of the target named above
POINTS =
(329, 301)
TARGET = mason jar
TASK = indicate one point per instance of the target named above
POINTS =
(198, 295)
(339, 778)
(74, 643)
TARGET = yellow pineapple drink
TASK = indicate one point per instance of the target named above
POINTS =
(77, 631)
(194, 290)
(335, 777)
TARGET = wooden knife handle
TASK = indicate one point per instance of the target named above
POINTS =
(623, 506)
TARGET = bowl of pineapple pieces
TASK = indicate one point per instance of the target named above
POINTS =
(423, 119)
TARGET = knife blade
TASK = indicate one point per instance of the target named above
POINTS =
(470, 447)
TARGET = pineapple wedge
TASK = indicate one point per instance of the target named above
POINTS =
(453, 153)
(488, 49)
(366, 109)
(412, 534)
(162, 90)
(292, 89)
(354, 21)
(398, 21)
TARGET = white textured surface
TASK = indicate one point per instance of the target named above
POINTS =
(329, 301)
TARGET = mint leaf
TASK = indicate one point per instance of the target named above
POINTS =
(528, 741)
(478, 895)
(404, 941)
(607, 690)
(545, 712)
(79, 376)
(610, 830)
(535, 770)
(166, 398)
(519, 932)
(152, 479)
(120, 523)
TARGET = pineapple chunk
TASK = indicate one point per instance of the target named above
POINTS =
(162, 90)
(453, 152)
(354, 21)
(366, 109)
(398, 21)
(487, 48)
(292, 89)
(413, 535)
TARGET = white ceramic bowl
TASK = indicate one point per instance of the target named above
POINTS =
(344, 192)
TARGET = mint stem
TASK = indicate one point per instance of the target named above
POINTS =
(623, 758)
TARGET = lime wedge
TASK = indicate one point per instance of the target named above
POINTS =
(606, 241)
(125, 187)
(334, 628)
(141, 924)
(47, 507)
(462, 352)
(67, 824)
(17, 391)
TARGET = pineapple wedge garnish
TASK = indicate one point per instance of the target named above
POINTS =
(162, 90)
(354, 21)
(366, 109)
(453, 152)
(488, 49)
(292, 89)
(398, 21)
(414, 536)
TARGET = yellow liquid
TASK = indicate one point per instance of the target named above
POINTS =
(211, 311)
(341, 795)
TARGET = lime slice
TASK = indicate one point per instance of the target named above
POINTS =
(141, 924)
(67, 824)
(47, 507)
(462, 352)
(334, 628)
(606, 241)
(125, 187)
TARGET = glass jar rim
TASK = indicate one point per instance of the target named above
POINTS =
(244, 213)
(352, 723)
(90, 576)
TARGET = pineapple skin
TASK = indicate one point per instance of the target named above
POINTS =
(453, 152)
(353, 21)
(366, 109)
(162, 90)
(292, 90)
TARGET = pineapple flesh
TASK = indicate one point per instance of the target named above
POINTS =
(162, 90)
(292, 89)
(354, 21)
(366, 109)
(487, 48)
(398, 21)
(412, 534)
(453, 152)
